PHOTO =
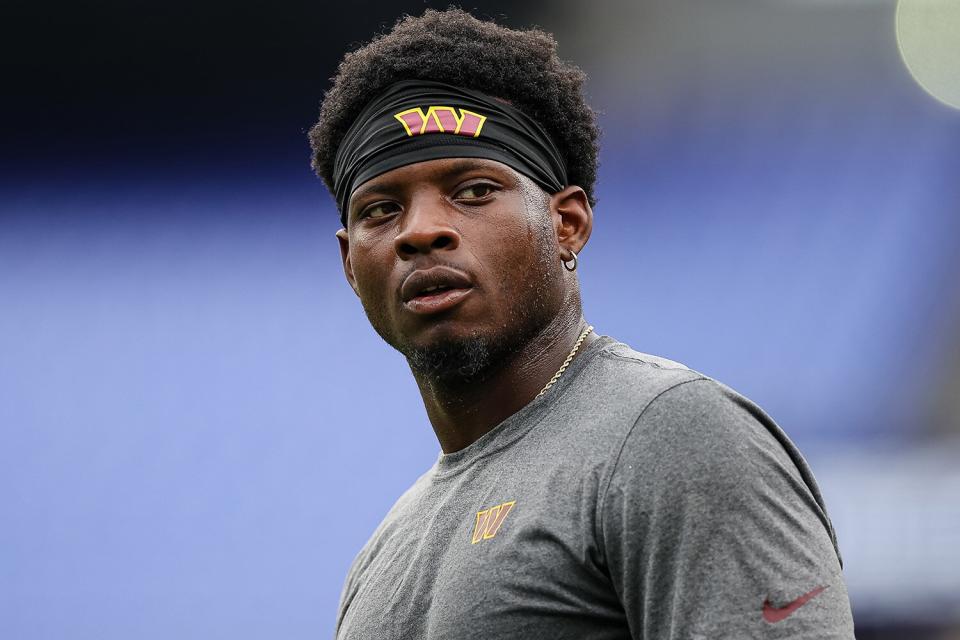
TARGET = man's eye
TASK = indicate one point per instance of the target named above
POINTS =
(475, 191)
(379, 210)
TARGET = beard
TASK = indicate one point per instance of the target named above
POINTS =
(452, 361)
(455, 361)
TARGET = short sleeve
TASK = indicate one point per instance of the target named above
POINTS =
(713, 527)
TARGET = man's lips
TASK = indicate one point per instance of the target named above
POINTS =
(436, 301)
(433, 290)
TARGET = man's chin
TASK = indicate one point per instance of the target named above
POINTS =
(452, 360)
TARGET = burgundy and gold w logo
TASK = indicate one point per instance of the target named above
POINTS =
(489, 521)
(439, 119)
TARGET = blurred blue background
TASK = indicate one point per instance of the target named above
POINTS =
(198, 427)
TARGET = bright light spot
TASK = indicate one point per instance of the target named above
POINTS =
(928, 35)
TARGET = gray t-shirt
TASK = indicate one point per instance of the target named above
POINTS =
(636, 499)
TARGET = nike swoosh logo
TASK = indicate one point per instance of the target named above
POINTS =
(776, 614)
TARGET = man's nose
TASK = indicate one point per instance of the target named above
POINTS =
(426, 227)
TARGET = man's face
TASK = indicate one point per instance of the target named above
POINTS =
(479, 226)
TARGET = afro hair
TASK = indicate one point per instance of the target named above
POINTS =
(520, 66)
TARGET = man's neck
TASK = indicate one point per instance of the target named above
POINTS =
(462, 414)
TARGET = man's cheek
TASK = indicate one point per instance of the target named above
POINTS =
(370, 277)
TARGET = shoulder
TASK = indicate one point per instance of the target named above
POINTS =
(624, 381)
(700, 430)
(601, 408)
(700, 442)
(684, 427)
(666, 400)
(601, 404)
(700, 424)
(617, 387)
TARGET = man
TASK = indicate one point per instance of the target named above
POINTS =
(584, 490)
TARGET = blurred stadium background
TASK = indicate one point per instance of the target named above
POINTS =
(199, 429)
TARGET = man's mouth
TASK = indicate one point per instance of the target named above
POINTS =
(437, 299)
(435, 289)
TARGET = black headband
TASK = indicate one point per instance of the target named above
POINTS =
(416, 120)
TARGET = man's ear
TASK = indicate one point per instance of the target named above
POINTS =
(572, 217)
(344, 241)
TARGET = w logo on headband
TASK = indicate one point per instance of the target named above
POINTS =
(441, 120)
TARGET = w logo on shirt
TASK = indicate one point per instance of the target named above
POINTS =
(440, 119)
(489, 521)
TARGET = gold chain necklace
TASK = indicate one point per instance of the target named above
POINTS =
(566, 362)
